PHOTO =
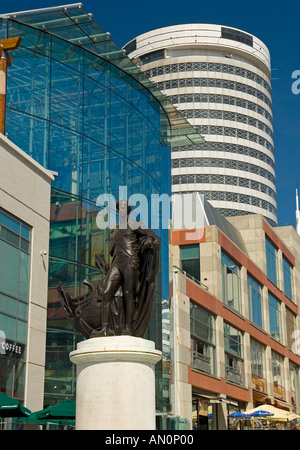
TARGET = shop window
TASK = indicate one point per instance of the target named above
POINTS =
(190, 260)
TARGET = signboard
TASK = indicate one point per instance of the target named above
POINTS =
(259, 383)
(10, 348)
(278, 391)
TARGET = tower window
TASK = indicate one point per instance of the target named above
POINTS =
(235, 35)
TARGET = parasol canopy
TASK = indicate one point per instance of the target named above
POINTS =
(261, 413)
(238, 415)
(278, 414)
(63, 410)
(10, 407)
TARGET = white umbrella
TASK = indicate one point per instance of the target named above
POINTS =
(278, 414)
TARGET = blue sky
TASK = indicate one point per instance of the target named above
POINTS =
(277, 25)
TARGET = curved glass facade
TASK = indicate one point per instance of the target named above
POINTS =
(82, 116)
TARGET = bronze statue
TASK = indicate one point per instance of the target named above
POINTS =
(122, 303)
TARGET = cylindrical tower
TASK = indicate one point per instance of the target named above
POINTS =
(219, 78)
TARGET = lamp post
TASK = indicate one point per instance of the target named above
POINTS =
(5, 60)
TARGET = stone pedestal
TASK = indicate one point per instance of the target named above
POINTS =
(115, 383)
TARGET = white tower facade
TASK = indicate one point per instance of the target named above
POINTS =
(219, 78)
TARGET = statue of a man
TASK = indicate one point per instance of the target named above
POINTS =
(128, 243)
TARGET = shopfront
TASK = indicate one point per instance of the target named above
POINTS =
(15, 239)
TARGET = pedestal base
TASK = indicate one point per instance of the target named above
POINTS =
(115, 383)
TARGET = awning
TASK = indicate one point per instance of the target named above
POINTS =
(278, 414)
(10, 407)
(216, 399)
(33, 418)
(63, 410)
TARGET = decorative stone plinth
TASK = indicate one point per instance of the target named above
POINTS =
(115, 383)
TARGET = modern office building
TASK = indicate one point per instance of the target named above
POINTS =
(236, 321)
(76, 104)
(24, 243)
(219, 78)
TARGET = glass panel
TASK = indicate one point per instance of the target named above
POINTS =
(290, 327)
(24, 276)
(191, 267)
(66, 96)
(287, 275)
(96, 118)
(21, 332)
(231, 284)
(29, 133)
(9, 263)
(274, 318)
(8, 326)
(65, 157)
(189, 251)
(28, 87)
(19, 380)
(9, 236)
(6, 376)
(25, 245)
(9, 223)
(232, 340)
(25, 232)
(271, 255)
(8, 305)
(190, 260)
(257, 358)
(254, 299)
(22, 310)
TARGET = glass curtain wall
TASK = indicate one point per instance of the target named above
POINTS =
(98, 128)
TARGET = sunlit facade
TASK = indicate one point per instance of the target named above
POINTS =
(25, 189)
(238, 283)
(73, 106)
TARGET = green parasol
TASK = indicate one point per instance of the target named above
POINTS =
(10, 407)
